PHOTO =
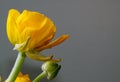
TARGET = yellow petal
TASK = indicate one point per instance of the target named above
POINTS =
(30, 19)
(23, 78)
(55, 42)
(12, 30)
(39, 27)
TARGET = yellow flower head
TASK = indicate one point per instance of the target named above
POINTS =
(22, 78)
(32, 28)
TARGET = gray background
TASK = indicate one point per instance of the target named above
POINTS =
(92, 54)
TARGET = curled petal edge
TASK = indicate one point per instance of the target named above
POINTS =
(59, 40)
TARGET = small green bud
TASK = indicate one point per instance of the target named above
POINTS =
(51, 68)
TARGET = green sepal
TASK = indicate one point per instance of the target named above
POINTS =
(36, 55)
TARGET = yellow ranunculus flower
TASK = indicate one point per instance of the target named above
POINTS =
(39, 28)
(31, 31)
(22, 78)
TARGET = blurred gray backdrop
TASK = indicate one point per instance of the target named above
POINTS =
(92, 53)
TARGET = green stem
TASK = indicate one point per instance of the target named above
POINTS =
(17, 67)
(40, 77)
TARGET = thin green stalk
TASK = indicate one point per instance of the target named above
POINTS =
(40, 77)
(17, 67)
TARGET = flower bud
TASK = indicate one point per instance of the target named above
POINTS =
(51, 68)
